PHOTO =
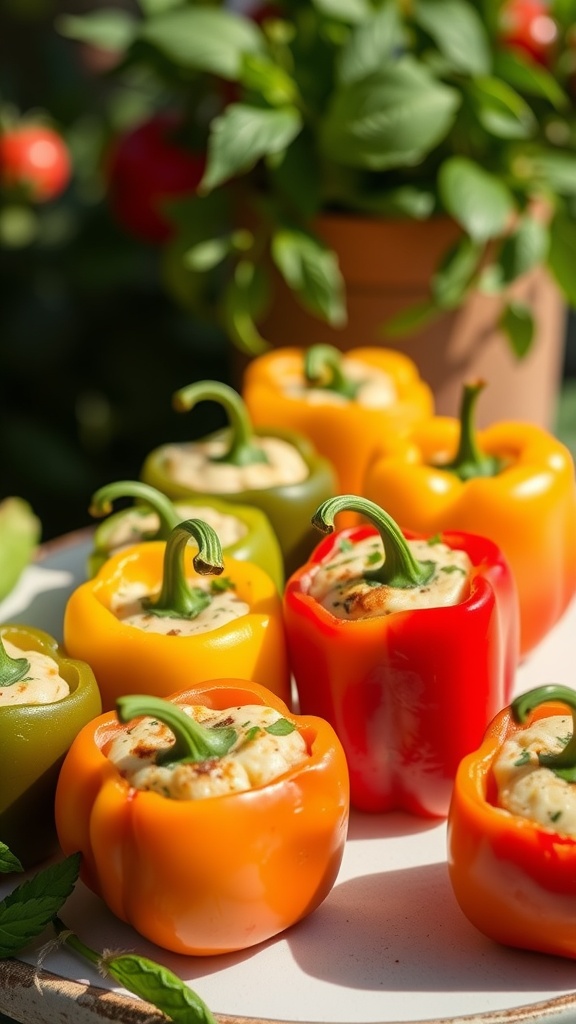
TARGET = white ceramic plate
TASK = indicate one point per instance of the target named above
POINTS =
(388, 946)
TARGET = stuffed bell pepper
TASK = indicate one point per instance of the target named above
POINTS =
(512, 482)
(243, 530)
(160, 617)
(20, 531)
(210, 821)
(512, 825)
(45, 700)
(277, 471)
(407, 646)
(343, 403)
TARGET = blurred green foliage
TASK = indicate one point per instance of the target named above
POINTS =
(91, 346)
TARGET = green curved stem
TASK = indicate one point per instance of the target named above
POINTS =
(242, 450)
(323, 369)
(470, 462)
(563, 763)
(177, 598)
(400, 569)
(12, 670)
(101, 503)
(194, 742)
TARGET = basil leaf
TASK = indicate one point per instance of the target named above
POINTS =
(529, 78)
(524, 249)
(370, 44)
(245, 300)
(562, 254)
(242, 135)
(312, 271)
(282, 727)
(349, 11)
(501, 110)
(26, 911)
(159, 986)
(8, 861)
(455, 275)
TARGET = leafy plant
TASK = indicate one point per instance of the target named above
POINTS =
(387, 108)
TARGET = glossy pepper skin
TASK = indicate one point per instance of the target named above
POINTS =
(35, 738)
(125, 658)
(258, 543)
(208, 876)
(411, 692)
(345, 432)
(289, 507)
(523, 497)
(513, 879)
(20, 531)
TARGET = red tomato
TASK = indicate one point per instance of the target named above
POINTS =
(527, 25)
(148, 166)
(34, 160)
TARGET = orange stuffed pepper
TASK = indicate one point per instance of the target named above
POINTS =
(512, 826)
(345, 404)
(511, 482)
(231, 828)
(158, 617)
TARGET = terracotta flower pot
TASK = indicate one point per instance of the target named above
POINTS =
(387, 266)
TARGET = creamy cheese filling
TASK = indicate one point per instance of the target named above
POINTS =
(531, 790)
(128, 604)
(42, 684)
(257, 757)
(138, 524)
(340, 586)
(377, 388)
(193, 466)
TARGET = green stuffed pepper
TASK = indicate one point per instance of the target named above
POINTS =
(20, 531)
(45, 699)
(277, 471)
(244, 531)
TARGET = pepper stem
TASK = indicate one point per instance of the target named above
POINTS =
(12, 670)
(470, 462)
(564, 762)
(101, 503)
(177, 598)
(194, 742)
(400, 569)
(242, 450)
(323, 369)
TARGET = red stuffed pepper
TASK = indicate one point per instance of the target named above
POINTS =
(408, 681)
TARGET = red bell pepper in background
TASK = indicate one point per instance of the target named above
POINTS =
(409, 693)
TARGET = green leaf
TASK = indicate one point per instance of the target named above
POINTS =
(26, 911)
(282, 727)
(455, 275)
(526, 247)
(370, 44)
(410, 320)
(269, 80)
(152, 7)
(159, 986)
(297, 178)
(562, 254)
(208, 254)
(479, 201)
(108, 29)
(349, 11)
(404, 201)
(391, 118)
(8, 862)
(458, 31)
(501, 110)
(529, 78)
(311, 270)
(517, 323)
(205, 39)
(244, 301)
(242, 135)
(554, 169)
